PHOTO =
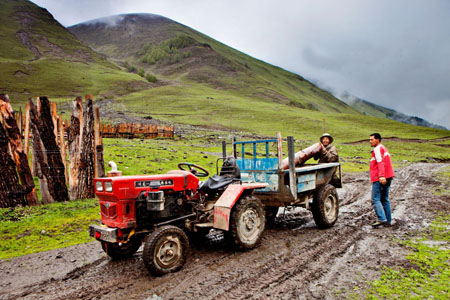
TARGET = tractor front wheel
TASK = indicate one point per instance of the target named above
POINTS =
(116, 251)
(248, 222)
(165, 250)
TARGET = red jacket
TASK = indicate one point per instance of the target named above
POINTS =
(380, 164)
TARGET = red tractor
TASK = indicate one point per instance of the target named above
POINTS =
(158, 210)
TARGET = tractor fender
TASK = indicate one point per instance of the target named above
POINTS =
(223, 206)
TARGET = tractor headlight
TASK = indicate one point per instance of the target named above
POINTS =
(108, 186)
(99, 186)
(166, 182)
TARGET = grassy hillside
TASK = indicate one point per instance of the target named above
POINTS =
(38, 56)
(184, 57)
(199, 81)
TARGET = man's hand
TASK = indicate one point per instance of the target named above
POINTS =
(382, 180)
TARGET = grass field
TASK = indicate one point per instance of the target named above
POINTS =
(429, 275)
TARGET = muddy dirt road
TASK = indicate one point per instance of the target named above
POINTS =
(294, 261)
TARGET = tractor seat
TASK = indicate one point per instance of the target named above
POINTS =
(229, 172)
(215, 183)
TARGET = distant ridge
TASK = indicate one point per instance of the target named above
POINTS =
(371, 109)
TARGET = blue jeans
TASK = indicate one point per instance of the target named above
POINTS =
(380, 201)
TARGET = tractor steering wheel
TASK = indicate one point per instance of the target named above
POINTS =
(193, 170)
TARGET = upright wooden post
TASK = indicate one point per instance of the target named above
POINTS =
(54, 116)
(292, 174)
(62, 146)
(10, 190)
(27, 130)
(74, 141)
(17, 150)
(279, 150)
(98, 157)
(40, 163)
(86, 172)
(43, 122)
(20, 122)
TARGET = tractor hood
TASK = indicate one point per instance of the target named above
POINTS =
(129, 187)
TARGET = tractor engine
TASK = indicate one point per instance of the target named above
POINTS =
(158, 205)
(128, 202)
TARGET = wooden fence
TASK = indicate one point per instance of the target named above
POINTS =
(61, 154)
(136, 130)
(122, 130)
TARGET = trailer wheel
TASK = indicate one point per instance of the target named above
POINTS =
(248, 222)
(165, 250)
(325, 206)
(115, 251)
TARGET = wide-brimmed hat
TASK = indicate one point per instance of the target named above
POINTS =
(328, 136)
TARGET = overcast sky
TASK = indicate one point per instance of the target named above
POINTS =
(392, 53)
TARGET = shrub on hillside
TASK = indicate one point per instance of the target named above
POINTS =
(141, 72)
(150, 77)
(178, 42)
(130, 68)
(187, 54)
(168, 49)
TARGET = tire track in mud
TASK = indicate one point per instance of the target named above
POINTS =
(304, 263)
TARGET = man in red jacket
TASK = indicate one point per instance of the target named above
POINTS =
(381, 175)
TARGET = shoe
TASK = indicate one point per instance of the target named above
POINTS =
(379, 223)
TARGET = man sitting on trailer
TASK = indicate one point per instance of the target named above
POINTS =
(328, 153)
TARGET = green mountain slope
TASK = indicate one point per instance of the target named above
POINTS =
(179, 55)
(208, 84)
(39, 56)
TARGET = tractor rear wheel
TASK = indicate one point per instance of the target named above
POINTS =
(116, 251)
(325, 206)
(247, 222)
(165, 250)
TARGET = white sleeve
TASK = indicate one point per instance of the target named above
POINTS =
(377, 151)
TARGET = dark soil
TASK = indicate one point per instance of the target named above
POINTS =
(295, 260)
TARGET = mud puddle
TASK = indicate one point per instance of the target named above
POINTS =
(294, 261)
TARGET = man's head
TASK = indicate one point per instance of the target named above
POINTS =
(375, 139)
(326, 139)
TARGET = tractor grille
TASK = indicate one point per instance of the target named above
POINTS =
(109, 210)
